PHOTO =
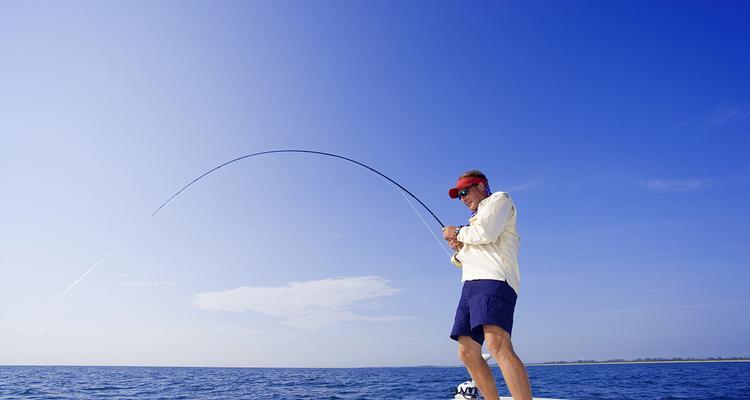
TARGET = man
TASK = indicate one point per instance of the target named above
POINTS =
(487, 252)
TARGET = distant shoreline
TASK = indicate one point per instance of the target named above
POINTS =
(542, 364)
(545, 364)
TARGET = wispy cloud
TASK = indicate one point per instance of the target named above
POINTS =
(670, 308)
(723, 115)
(124, 275)
(726, 114)
(148, 284)
(675, 185)
(522, 187)
(308, 305)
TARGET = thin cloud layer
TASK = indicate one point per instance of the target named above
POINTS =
(670, 308)
(148, 284)
(521, 187)
(675, 185)
(308, 305)
(724, 115)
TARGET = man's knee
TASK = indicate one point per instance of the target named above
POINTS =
(468, 350)
(497, 340)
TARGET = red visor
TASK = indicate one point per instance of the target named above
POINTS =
(464, 183)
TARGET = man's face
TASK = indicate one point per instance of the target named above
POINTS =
(474, 195)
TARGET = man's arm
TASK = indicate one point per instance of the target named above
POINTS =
(489, 222)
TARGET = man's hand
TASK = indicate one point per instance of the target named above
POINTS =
(449, 234)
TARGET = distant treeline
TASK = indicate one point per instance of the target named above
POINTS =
(650, 359)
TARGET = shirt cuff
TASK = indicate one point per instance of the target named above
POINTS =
(455, 261)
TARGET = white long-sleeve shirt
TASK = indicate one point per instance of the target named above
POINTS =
(491, 243)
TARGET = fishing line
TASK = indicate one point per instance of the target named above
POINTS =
(80, 278)
(440, 242)
(109, 253)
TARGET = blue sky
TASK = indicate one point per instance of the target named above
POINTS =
(620, 129)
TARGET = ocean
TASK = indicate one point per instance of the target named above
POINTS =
(720, 380)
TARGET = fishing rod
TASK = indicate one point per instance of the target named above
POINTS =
(123, 241)
(307, 152)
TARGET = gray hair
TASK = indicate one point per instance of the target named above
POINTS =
(475, 173)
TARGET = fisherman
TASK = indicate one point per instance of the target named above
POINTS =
(487, 253)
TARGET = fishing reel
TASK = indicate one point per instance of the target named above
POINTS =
(467, 390)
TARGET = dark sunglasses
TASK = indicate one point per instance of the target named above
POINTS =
(464, 192)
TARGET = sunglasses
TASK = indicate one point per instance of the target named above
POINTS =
(464, 192)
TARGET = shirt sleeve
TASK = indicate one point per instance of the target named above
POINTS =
(489, 222)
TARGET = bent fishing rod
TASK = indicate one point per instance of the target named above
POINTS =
(123, 241)
(306, 152)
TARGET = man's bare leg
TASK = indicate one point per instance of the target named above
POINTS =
(470, 353)
(499, 344)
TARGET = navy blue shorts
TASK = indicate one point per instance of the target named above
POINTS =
(484, 302)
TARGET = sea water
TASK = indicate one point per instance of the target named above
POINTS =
(721, 380)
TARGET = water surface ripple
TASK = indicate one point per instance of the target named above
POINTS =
(728, 381)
